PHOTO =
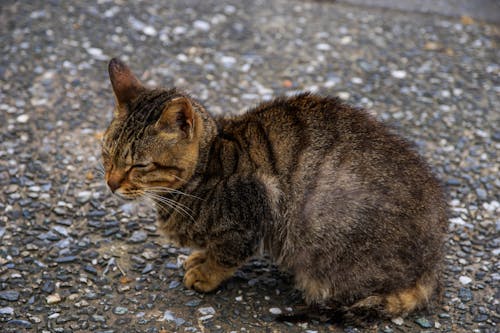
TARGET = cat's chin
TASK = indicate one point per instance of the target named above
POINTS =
(126, 197)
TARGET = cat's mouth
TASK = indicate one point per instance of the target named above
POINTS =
(128, 195)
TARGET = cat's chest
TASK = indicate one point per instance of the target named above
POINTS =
(180, 233)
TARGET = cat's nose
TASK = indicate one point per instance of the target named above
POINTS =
(114, 184)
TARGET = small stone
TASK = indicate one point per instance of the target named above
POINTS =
(398, 321)
(9, 295)
(53, 299)
(98, 318)
(275, 311)
(90, 269)
(201, 25)
(344, 95)
(138, 236)
(23, 118)
(173, 284)
(465, 294)
(346, 40)
(62, 260)
(48, 287)
(457, 220)
(465, 280)
(481, 194)
(424, 322)
(228, 61)
(7, 311)
(205, 318)
(54, 315)
(150, 31)
(120, 310)
(480, 318)
(399, 74)
(193, 302)
(148, 268)
(179, 30)
(323, 47)
(168, 316)
(97, 53)
(19, 323)
(206, 311)
(83, 196)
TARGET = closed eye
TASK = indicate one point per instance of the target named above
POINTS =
(143, 166)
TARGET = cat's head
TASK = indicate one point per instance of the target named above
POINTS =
(152, 144)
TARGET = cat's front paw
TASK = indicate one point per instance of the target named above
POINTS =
(206, 276)
(196, 258)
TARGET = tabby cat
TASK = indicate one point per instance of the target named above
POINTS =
(331, 194)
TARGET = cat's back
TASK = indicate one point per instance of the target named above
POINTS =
(294, 135)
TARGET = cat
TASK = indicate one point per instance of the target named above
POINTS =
(330, 193)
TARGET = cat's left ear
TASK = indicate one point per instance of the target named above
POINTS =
(125, 85)
(178, 115)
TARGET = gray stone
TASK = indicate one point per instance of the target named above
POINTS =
(9, 295)
(138, 236)
(424, 322)
(120, 310)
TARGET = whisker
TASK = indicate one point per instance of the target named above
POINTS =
(164, 199)
(177, 206)
(159, 189)
(173, 205)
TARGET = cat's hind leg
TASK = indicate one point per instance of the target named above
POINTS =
(398, 303)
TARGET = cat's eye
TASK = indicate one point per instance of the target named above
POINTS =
(142, 166)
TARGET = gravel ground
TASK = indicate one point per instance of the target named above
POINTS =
(75, 259)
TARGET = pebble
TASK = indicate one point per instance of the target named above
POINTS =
(83, 196)
(148, 268)
(228, 61)
(344, 95)
(424, 322)
(53, 299)
(63, 260)
(323, 47)
(19, 323)
(398, 321)
(480, 318)
(138, 236)
(465, 294)
(23, 118)
(120, 310)
(170, 316)
(7, 311)
(275, 311)
(205, 318)
(9, 295)
(193, 302)
(346, 40)
(97, 53)
(206, 311)
(481, 194)
(465, 280)
(399, 74)
(173, 284)
(201, 25)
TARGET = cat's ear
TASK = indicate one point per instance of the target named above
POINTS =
(125, 85)
(178, 115)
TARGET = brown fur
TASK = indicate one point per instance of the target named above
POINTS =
(329, 192)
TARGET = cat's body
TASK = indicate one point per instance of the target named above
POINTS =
(335, 198)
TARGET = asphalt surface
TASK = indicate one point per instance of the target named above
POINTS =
(75, 259)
